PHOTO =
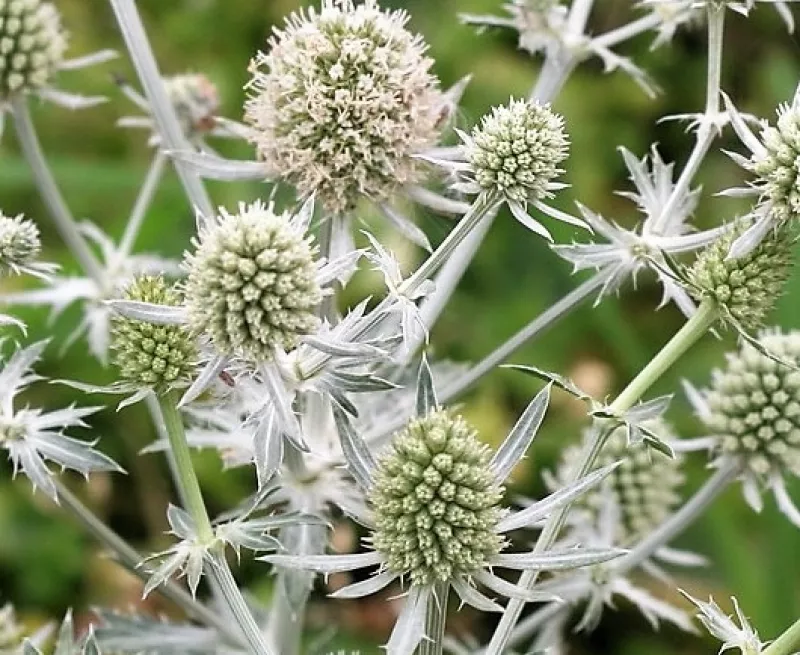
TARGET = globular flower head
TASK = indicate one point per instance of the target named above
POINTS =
(19, 243)
(516, 150)
(342, 101)
(777, 164)
(436, 501)
(753, 405)
(150, 355)
(644, 488)
(195, 99)
(32, 45)
(252, 284)
(747, 286)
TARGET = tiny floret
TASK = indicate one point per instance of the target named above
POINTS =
(19, 243)
(517, 149)
(436, 501)
(150, 355)
(342, 101)
(754, 406)
(195, 99)
(32, 45)
(747, 286)
(644, 488)
(252, 284)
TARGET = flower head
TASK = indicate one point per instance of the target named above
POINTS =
(748, 286)
(342, 101)
(195, 99)
(436, 501)
(516, 150)
(252, 283)
(643, 489)
(32, 45)
(153, 356)
(19, 246)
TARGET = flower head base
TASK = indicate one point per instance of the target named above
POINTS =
(148, 355)
(754, 406)
(644, 488)
(252, 284)
(436, 501)
(19, 243)
(195, 99)
(342, 101)
(778, 165)
(32, 45)
(747, 286)
(516, 150)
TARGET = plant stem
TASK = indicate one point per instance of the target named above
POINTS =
(435, 621)
(59, 212)
(131, 559)
(787, 643)
(689, 334)
(681, 519)
(166, 121)
(218, 570)
(142, 204)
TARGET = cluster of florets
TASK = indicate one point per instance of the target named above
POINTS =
(252, 284)
(150, 355)
(195, 99)
(779, 168)
(747, 286)
(342, 102)
(32, 45)
(436, 501)
(19, 243)
(644, 488)
(516, 150)
(754, 405)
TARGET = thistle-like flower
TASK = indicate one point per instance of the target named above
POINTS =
(20, 247)
(436, 517)
(158, 357)
(746, 288)
(342, 102)
(752, 412)
(644, 489)
(252, 284)
(31, 436)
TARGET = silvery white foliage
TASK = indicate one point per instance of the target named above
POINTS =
(119, 269)
(741, 6)
(66, 641)
(741, 637)
(409, 628)
(122, 633)
(32, 436)
(645, 247)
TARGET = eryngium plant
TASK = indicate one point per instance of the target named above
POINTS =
(258, 346)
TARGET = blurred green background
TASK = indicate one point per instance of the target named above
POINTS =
(47, 564)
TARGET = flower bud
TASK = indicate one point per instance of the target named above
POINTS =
(342, 101)
(252, 283)
(779, 168)
(754, 406)
(19, 243)
(435, 501)
(147, 354)
(747, 286)
(195, 99)
(516, 150)
(32, 45)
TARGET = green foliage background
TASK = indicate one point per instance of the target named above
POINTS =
(47, 564)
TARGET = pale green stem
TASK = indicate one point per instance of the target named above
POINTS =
(628, 31)
(578, 16)
(131, 559)
(688, 335)
(218, 570)
(327, 308)
(435, 621)
(59, 212)
(706, 132)
(680, 520)
(164, 117)
(787, 643)
(142, 204)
